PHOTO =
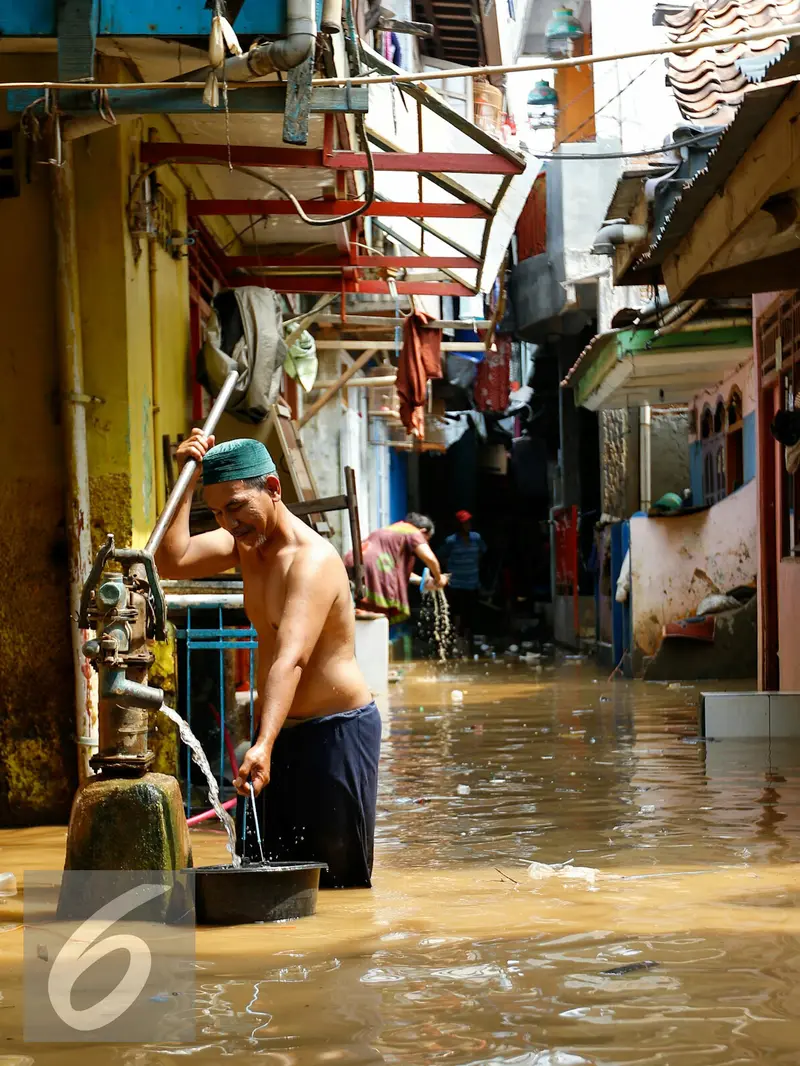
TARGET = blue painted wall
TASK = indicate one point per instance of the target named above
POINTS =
(749, 446)
(143, 18)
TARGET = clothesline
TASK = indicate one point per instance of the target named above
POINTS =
(684, 48)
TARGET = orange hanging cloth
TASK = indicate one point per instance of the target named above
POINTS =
(420, 360)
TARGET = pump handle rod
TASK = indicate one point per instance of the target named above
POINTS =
(181, 485)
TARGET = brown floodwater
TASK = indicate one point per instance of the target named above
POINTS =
(458, 955)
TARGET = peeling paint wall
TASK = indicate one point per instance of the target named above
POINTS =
(36, 688)
(37, 748)
(676, 562)
(614, 458)
(669, 451)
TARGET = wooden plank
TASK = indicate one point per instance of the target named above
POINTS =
(355, 531)
(760, 171)
(262, 99)
(326, 503)
(328, 395)
(415, 29)
(288, 452)
(358, 322)
(363, 383)
(298, 101)
(77, 30)
(389, 345)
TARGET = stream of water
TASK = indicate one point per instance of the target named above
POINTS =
(200, 760)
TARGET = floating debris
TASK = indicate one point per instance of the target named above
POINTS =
(541, 871)
(632, 967)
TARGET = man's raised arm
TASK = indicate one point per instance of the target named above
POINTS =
(180, 555)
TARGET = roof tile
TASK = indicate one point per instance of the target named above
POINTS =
(709, 84)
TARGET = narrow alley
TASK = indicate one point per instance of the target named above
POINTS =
(400, 532)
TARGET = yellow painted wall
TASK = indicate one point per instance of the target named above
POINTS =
(37, 762)
(37, 749)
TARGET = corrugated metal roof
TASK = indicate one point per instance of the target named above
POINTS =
(710, 83)
(755, 111)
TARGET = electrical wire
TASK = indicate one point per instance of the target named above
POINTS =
(664, 150)
(683, 48)
(369, 192)
(601, 109)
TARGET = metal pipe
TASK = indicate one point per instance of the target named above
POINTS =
(155, 406)
(73, 420)
(288, 52)
(185, 476)
(331, 16)
(284, 54)
(615, 233)
(204, 599)
(645, 468)
(716, 323)
(677, 323)
(367, 383)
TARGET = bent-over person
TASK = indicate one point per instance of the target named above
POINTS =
(314, 759)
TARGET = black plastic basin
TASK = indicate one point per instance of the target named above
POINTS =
(271, 892)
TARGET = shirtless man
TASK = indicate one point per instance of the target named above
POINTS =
(314, 759)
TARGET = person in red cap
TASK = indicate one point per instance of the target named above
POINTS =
(461, 557)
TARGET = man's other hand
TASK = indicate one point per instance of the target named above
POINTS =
(443, 581)
(194, 447)
(255, 769)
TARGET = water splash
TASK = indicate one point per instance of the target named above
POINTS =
(435, 626)
(200, 760)
(442, 627)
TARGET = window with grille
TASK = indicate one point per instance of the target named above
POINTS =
(734, 443)
(712, 435)
(778, 358)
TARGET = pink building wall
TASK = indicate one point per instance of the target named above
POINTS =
(676, 562)
(743, 378)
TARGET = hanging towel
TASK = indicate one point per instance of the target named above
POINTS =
(420, 360)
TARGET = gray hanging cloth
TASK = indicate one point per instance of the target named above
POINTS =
(244, 332)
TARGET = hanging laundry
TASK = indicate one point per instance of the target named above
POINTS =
(492, 383)
(420, 360)
(244, 333)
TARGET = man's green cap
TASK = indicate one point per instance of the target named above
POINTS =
(236, 460)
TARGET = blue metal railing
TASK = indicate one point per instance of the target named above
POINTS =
(194, 639)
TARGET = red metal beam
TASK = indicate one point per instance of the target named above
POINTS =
(428, 162)
(321, 208)
(330, 283)
(428, 262)
(260, 156)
